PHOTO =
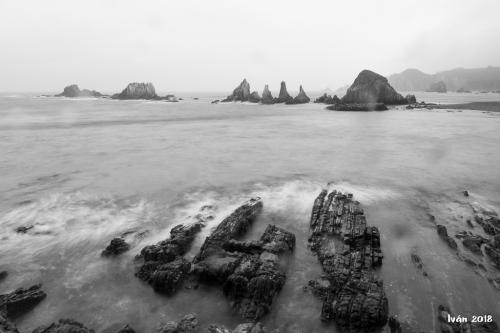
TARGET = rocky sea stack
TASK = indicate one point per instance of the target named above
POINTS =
(301, 98)
(74, 91)
(142, 90)
(267, 97)
(284, 96)
(137, 90)
(240, 94)
(370, 87)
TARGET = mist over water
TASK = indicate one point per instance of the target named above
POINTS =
(85, 171)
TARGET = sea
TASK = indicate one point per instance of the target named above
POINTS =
(83, 171)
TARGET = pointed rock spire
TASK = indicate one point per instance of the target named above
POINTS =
(267, 97)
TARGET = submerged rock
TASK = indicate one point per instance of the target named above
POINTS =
(74, 91)
(370, 87)
(64, 326)
(267, 97)
(283, 96)
(240, 94)
(21, 300)
(24, 229)
(188, 324)
(137, 90)
(352, 296)
(357, 107)
(116, 246)
(301, 98)
(439, 87)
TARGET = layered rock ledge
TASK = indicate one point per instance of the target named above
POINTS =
(349, 251)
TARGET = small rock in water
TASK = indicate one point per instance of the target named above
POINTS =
(188, 324)
(21, 300)
(116, 246)
(443, 233)
(3, 275)
(24, 229)
(465, 193)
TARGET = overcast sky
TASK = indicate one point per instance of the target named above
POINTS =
(210, 45)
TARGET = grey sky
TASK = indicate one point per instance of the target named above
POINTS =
(211, 45)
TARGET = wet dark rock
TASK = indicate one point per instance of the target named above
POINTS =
(370, 87)
(327, 99)
(137, 90)
(357, 107)
(162, 264)
(249, 272)
(417, 261)
(455, 327)
(411, 99)
(215, 101)
(443, 233)
(6, 326)
(465, 193)
(3, 275)
(301, 98)
(267, 97)
(64, 326)
(240, 94)
(24, 229)
(254, 97)
(473, 243)
(21, 300)
(439, 87)
(490, 224)
(492, 250)
(423, 105)
(116, 247)
(74, 91)
(348, 251)
(283, 96)
(188, 324)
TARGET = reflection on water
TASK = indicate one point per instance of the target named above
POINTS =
(83, 172)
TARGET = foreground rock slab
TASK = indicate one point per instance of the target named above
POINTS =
(348, 250)
(249, 272)
(21, 300)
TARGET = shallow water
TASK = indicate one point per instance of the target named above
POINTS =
(85, 171)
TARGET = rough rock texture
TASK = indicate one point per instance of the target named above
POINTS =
(188, 324)
(327, 99)
(283, 96)
(443, 233)
(249, 272)
(64, 326)
(162, 264)
(448, 327)
(357, 107)
(417, 261)
(254, 97)
(116, 246)
(492, 250)
(267, 97)
(439, 87)
(137, 90)
(6, 326)
(126, 329)
(370, 87)
(240, 94)
(74, 91)
(348, 250)
(21, 300)
(301, 98)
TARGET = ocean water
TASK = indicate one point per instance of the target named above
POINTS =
(83, 171)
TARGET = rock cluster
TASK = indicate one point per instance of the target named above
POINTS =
(242, 94)
(188, 324)
(348, 250)
(136, 90)
(21, 300)
(74, 91)
(370, 87)
(327, 99)
(116, 247)
(249, 272)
